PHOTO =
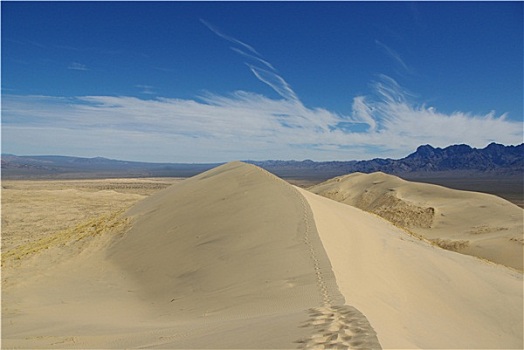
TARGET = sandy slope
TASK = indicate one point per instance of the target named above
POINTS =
(414, 294)
(237, 258)
(471, 223)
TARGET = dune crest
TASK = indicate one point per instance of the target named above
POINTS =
(470, 223)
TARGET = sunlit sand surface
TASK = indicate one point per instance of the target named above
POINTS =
(477, 224)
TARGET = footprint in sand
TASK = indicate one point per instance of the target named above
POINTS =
(339, 327)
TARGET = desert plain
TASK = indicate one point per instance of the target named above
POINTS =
(236, 257)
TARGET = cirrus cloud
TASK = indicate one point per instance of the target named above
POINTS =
(241, 125)
(77, 66)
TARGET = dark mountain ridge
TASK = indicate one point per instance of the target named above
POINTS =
(493, 160)
(493, 157)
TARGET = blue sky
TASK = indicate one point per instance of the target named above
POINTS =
(216, 81)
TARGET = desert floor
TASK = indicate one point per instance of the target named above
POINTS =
(32, 209)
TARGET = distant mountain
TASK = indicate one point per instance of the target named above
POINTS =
(76, 167)
(462, 157)
(495, 159)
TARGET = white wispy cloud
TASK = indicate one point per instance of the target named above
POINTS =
(275, 81)
(266, 63)
(242, 125)
(77, 66)
(146, 89)
(363, 112)
(268, 74)
(395, 55)
(227, 37)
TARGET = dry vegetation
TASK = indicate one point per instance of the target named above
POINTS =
(44, 213)
(451, 244)
(113, 222)
(399, 212)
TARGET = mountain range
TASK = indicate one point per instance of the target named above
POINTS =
(495, 159)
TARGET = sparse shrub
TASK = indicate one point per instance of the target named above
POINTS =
(450, 244)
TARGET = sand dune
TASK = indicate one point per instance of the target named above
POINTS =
(237, 258)
(471, 223)
(416, 295)
(227, 259)
(234, 243)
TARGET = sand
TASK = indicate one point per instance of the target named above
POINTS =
(414, 294)
(476, 224)
(227, 259)
(237, 258)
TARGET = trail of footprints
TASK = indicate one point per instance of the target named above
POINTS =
(335, 326)
(305, 209)
(316, 264)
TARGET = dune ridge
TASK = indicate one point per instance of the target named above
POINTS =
(228, 259)
(415, 294)
(168, 231)
(275, 218)
(471, 223)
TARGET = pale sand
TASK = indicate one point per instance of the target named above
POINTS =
(471, 223)
(416, 295)
(227, 259)
(235, 258)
